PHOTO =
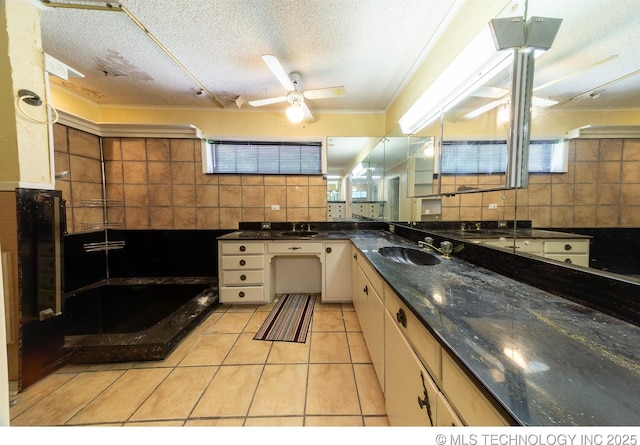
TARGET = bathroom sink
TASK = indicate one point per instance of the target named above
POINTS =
(299, 233)
(408, 255)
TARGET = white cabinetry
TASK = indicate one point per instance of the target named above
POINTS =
(369, 306)
(241, 272)
(572, 251)
(336, 210)
(568, 251)
(337, 272)
(410, 393)
(473, 407)
(419, 373)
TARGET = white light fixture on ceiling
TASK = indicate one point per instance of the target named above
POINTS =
(295, 113)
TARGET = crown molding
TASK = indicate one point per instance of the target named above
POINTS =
(174, 131)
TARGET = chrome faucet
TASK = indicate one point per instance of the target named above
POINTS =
(445, 247)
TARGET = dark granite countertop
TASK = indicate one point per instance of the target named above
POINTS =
(509, 233)
(283, 235)
(545, 360)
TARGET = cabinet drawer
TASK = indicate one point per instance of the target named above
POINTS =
(578, 260)
(242, 262)
(473, 407)
(566, 246)
(530, 246)
(295, 248)
(446, 416)
(233, 247)
(410, 393)
(426, 346)
(242, 277)
(251, 294)
(372, 275)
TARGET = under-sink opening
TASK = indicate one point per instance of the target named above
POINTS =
(297, 274)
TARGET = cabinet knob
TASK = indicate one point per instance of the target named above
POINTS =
(366, 290)
(328, 250)
(355, 256)
(241, 294)
(568, 260)
(567, 247)
(243, 262)
(243, 277)
(243, 248)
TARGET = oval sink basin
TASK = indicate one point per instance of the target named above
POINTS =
(299, 233)
(408, 255)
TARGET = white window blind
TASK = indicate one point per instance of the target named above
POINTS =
(490, 157)
(263, 158)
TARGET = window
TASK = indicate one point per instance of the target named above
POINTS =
(263, 158)
(489, 157)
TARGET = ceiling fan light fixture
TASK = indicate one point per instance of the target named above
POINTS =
(295, 113)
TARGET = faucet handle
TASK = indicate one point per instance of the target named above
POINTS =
(446, 247)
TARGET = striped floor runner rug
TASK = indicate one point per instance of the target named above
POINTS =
(289, 320)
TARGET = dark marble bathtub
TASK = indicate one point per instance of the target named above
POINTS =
(134, 319)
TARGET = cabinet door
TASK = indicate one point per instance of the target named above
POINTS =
(370, 312)
(337, 273)
(410, 393)
(446, 416)
(474, 408)
(354, 277)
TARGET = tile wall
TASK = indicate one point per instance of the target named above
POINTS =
(159, 184)
(600, 189)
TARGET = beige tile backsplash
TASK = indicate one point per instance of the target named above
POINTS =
(160, 185)
(600, 189)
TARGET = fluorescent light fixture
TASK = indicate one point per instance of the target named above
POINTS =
(358, 170)
(333, 176)
(485, 108)
(475, 64)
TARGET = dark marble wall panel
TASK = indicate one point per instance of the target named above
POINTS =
(165, 253)
(83, 268)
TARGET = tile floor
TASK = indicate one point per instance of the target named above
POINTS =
(219, 375)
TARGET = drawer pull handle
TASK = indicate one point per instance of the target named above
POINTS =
(425, 402)
(243, 277)
(243, 262)
(241, 294)
(295, 248)
(567, 247)
(243, 248)
(365, 290)
(401, 316)
(568, 260)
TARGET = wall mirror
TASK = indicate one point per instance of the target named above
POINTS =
(586, 93)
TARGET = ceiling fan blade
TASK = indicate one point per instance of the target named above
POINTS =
(324, 93)
(276, 68)
(308, 117)
(271, 100)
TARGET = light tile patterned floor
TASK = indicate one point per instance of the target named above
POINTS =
(219, 376)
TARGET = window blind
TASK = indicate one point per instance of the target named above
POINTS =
(263, 158)
(490, 157)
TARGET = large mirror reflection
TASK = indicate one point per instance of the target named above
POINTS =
(584, 156)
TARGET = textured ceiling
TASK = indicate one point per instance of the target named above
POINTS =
(368, 46)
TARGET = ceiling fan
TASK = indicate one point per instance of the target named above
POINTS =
(298, 109)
